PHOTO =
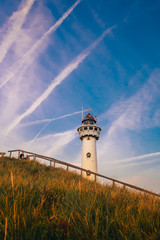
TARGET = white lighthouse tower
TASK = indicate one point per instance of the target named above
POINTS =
(89, 132)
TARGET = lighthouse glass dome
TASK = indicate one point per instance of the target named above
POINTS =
(89, 119)
(89, 127)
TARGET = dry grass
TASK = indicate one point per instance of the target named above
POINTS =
(40, 202)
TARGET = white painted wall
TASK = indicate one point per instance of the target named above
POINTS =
(90, 163)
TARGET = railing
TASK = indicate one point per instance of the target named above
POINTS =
(54, 161)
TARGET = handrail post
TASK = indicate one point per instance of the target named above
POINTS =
(54, 164)
(50, 163)
(10, 154)
(34, 158)
(95, 177)
(67, 167)
(18, 154)
(113, 184)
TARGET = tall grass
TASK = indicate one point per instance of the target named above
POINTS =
(40, 202)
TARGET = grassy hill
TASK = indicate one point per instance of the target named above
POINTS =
(40, 202)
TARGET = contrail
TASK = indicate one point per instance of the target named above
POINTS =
(48, 122)
(58, 80)
(38, 134)
(13, 27)
(18, 65)
(150, 155)
(50, 119)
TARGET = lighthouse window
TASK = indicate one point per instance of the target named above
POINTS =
(95, 128)
(88, 154)
(91, 128)
(85, 128)
(80, 129)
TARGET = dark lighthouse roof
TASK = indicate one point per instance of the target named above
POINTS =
(89, 119)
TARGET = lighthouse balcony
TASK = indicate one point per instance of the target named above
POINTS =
(89, 130)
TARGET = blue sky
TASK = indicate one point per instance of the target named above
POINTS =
(57, 56)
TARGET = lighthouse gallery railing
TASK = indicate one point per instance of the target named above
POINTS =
(54, 161)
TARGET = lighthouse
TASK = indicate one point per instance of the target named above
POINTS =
(89, 132)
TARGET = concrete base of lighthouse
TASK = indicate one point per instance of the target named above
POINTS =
(89, 156)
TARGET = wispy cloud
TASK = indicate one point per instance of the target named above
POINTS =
(59, 79)
(149, 156)
(132, 114)
(126, 119)
(13, 26)
(146, 159)
(55, 143)
(26, 59)
(61, 140)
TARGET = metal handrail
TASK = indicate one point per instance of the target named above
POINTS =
(35, 155)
